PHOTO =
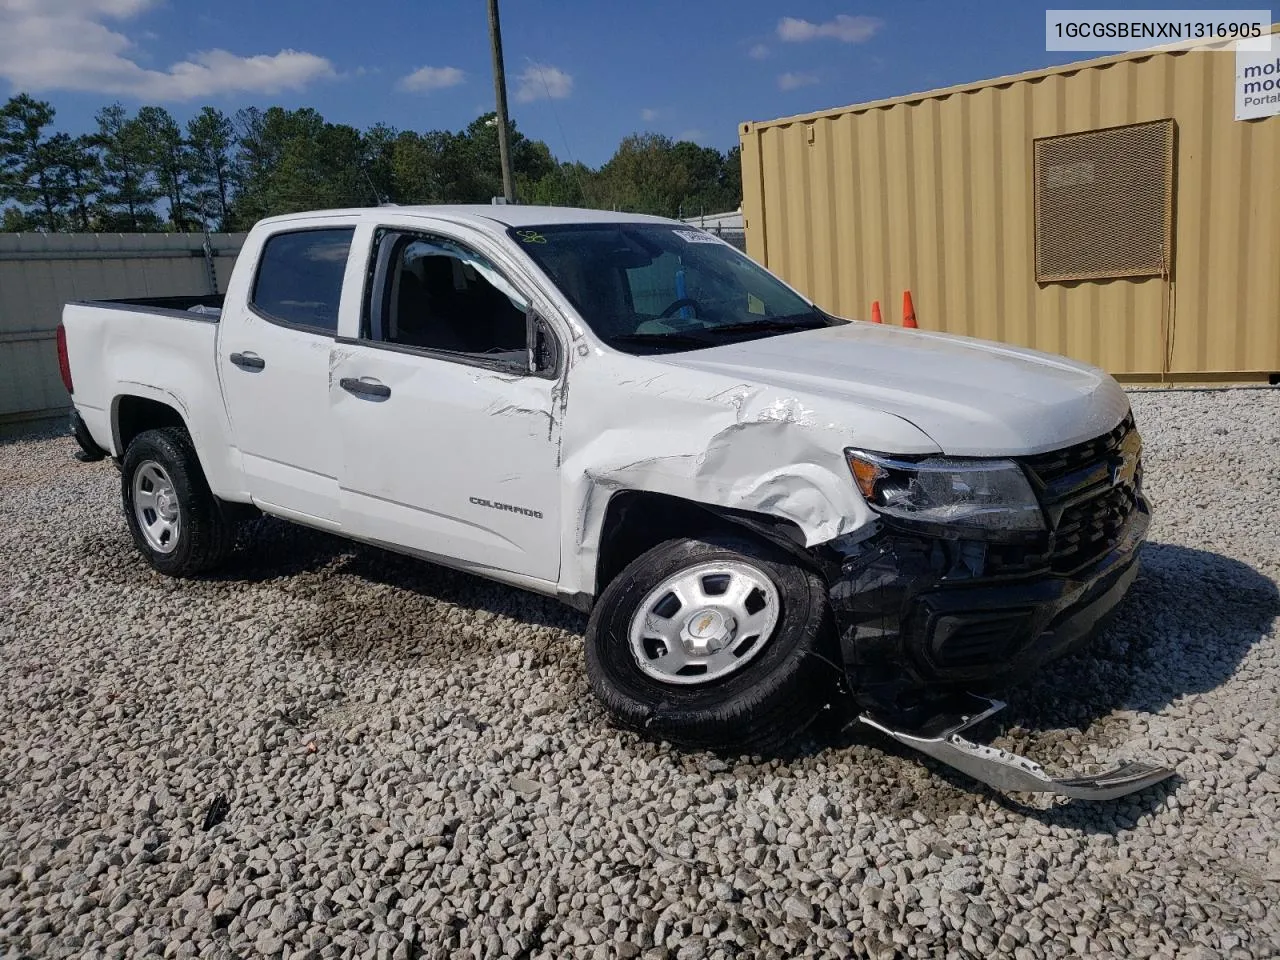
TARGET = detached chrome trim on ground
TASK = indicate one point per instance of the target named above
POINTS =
(1009, 771)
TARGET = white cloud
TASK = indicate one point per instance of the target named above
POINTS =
(693, 136)
(793, 81)
(648, 114)
(65, 45)
(844, 28)
(87, 8)
(759, 52)
(426, 79)
(540, 81)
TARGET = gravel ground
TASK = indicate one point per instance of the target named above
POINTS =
(415, 768)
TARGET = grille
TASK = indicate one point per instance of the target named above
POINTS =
(1056, 465)
(1104, 202)
(1086, 511)
(1087, 530)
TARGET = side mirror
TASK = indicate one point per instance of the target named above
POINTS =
(544, 349)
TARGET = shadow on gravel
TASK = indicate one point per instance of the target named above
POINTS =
(271, 549)
(30, 431)
(1188, 621)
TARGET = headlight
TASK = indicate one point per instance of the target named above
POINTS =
(986, 494)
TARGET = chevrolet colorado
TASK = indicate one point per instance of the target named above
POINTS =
(759, 503)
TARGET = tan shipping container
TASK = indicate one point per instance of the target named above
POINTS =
(936, 193)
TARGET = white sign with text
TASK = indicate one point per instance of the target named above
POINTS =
(1257, 83)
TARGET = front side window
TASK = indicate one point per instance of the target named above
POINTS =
(648, 287)
(440, 295)
(300, 277)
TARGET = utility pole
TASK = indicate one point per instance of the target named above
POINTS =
(500, 92)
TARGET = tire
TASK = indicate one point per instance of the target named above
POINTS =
(765, 701)
(176, 521)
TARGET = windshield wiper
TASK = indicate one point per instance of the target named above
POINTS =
(662, 339)
(783, 324)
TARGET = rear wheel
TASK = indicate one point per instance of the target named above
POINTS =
(176, 521)
(721, 643)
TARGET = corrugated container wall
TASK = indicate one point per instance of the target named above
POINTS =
(40, 272)
(934, 193)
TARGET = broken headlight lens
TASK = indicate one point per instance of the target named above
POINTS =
(987, 494)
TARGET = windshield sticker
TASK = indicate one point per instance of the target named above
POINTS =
(696, 236)
(531, 236)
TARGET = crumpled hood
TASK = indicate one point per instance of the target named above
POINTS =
(972, 397)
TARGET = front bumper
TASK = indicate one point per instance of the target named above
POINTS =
(919, 616)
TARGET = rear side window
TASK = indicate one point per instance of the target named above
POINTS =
(300, 277)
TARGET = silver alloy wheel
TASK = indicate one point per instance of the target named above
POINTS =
(704, 622)
(155, 505)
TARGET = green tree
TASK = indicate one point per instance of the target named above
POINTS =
(293, 160)
(567, 185)
(474, 165)
(263, 136)
(225, 172)
(168, 160)
(80, 170)
(17, 220)
(731, 177)
(29, 170)
(126, 200)
(211, 140)
(643, 176)
(378, 162)
(708, 191)
(423, 167)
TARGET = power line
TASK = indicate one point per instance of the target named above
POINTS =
(564, 137)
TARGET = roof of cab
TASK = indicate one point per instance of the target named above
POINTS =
(509, 215)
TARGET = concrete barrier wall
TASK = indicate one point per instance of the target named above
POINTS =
(41, 272)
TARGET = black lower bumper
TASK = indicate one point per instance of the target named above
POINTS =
(89, 450)
(919, 615)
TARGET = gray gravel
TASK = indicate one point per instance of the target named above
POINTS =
(415, 768)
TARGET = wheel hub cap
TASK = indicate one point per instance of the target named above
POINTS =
(165, 505)
(704, 622)
(155, 506)
(707, 631)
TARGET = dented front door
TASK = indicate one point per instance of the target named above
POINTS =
(448, 458)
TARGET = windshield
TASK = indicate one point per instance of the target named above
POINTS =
(656, 287)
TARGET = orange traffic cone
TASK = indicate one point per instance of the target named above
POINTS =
(875, 312)
(908, 311)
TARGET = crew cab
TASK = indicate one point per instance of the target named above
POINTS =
(759, 503)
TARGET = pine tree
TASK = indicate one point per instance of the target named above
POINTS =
(29, 172)
(79, 169)
(127, 199)
(211, 137)
(168, 158)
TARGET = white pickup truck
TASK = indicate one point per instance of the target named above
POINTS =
(759, 503)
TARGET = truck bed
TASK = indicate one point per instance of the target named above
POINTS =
(131, 348)
(184, 306)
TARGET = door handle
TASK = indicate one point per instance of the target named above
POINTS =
(366, 389)
(248, 361)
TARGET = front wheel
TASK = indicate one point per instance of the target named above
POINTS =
(722, 643)
(176, 521)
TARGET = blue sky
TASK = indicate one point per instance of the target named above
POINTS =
(582, 73)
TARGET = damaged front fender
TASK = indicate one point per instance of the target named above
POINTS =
(714, 442)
